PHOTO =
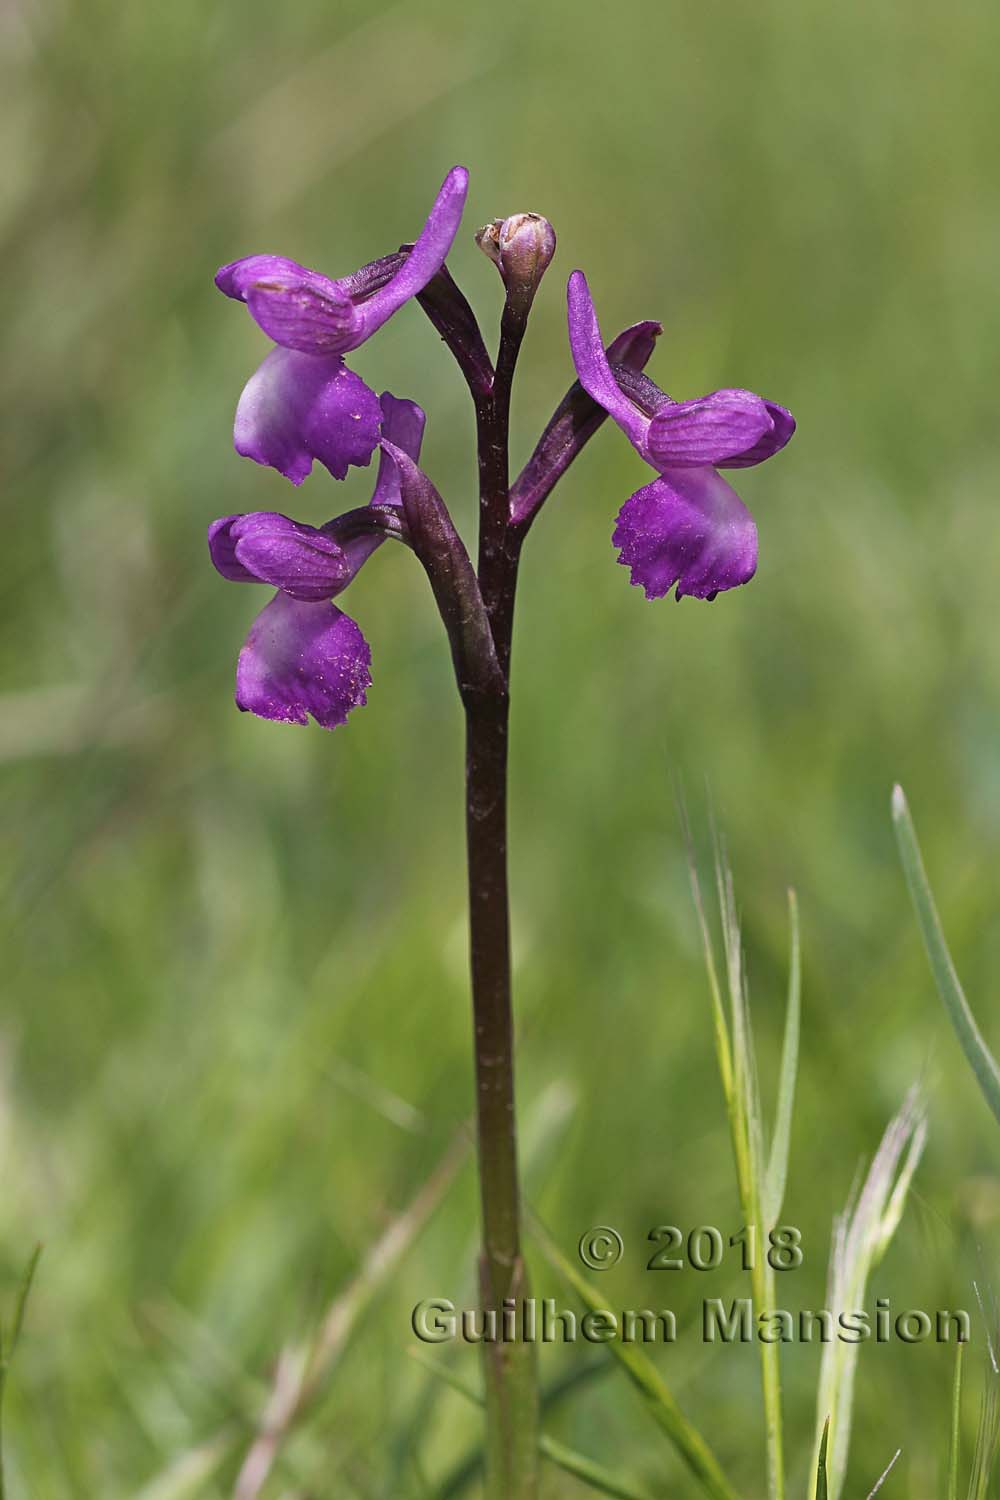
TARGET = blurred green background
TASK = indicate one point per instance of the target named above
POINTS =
(234, 1036)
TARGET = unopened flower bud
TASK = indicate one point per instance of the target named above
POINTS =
(522, 248)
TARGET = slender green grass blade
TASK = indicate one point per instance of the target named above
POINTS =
(448, 1376)
(987, 1437)
(302, 1372)
(956, 1426)
(822, 1489)
(777, 1165)
(24, 1292)
(593, 1474)
(646, 1378)
(746, 1121)
(723, 1049)
(949, 987)
(897, 1199)
(467, 1470)
(880, 1481)
(860, 1239)
(188, 1477)
(9, 1340)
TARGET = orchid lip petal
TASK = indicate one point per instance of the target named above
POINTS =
(303, 659)
(300, 407)
(708, 431)
(428, 255)
(689, 528)
(592, 367)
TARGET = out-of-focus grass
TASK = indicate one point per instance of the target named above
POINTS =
(214, 925)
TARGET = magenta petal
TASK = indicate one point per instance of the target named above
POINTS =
(634, 347)
(710, 430)
(304, 562)
(311, 315)
(301, 659)
(690, 528)
(358, 550)
(592, 367)
(222, 550)
(772, 442)
(296, 307)
(238, 276)
(424, 260)
(299, 407)
(403, 425)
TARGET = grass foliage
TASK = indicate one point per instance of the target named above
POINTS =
(234, 1032)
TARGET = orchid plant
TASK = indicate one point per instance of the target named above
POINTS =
(686, 530)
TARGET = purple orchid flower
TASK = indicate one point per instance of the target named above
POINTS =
(303, 655)
(303, 403)
(688, 527)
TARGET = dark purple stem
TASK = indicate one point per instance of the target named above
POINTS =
(448, 310)
(489, 923)
(499, 548)
(486, 823)
(484, 680)
(511, 1380)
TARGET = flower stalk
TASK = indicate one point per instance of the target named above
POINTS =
(511, 1368)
